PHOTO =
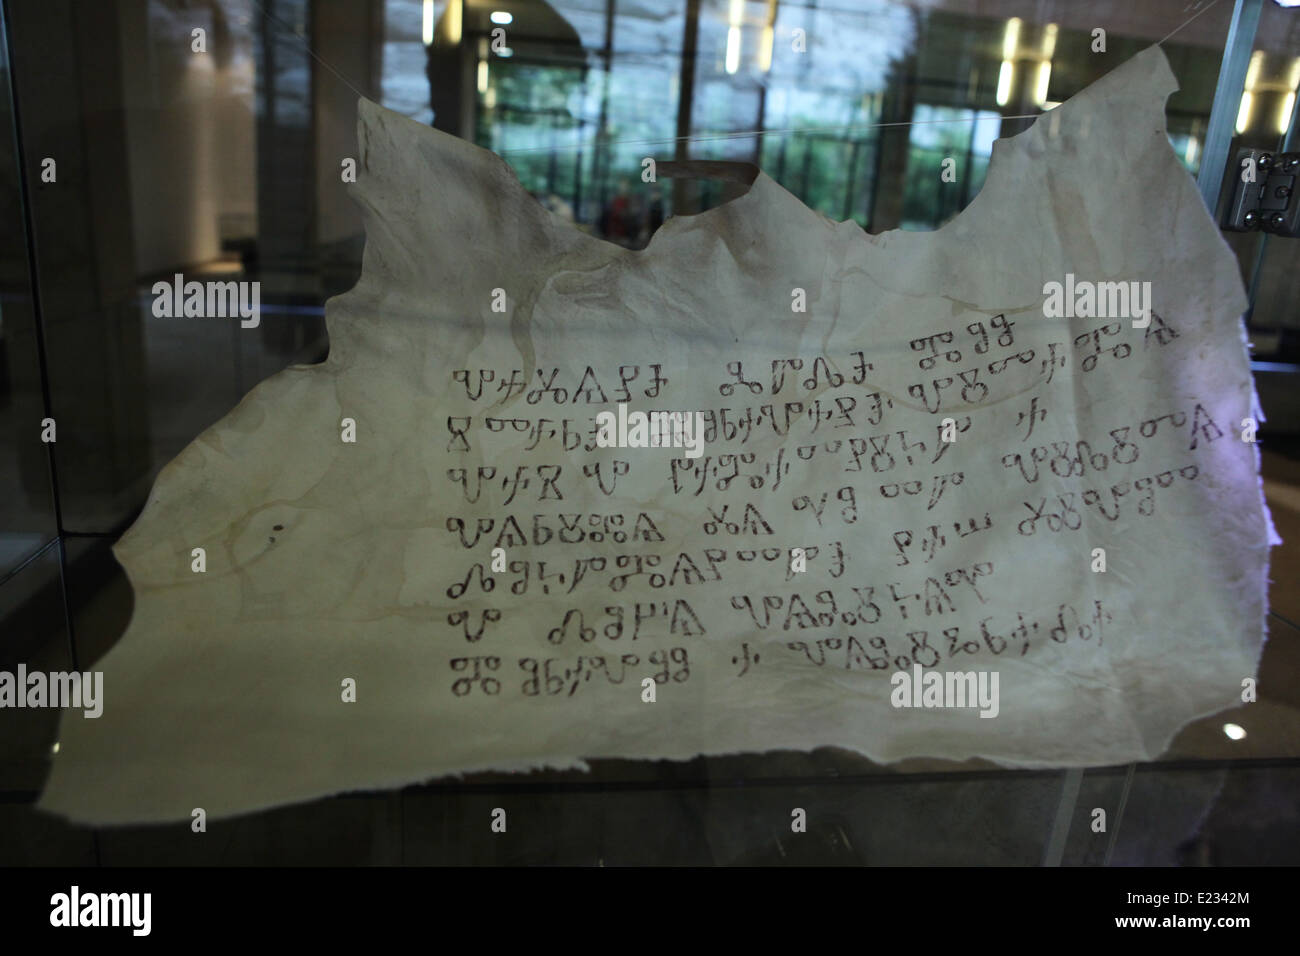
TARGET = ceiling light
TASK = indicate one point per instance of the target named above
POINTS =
(1011, 39)
(1243, 113)
(1004, 83)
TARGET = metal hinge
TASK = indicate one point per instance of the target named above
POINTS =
(1264, 197)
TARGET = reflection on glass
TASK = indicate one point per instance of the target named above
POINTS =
(27, 522)
(576, 94)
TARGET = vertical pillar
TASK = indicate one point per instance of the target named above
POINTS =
(68, 89)
(686, 97)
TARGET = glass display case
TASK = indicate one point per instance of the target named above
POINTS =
(129, 155)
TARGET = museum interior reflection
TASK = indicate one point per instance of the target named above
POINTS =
(232, 161)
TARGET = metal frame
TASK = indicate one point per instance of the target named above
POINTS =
(1227, 98)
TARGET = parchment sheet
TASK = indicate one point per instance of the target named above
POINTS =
(475, 429)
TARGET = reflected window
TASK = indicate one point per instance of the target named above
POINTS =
(948, 157)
